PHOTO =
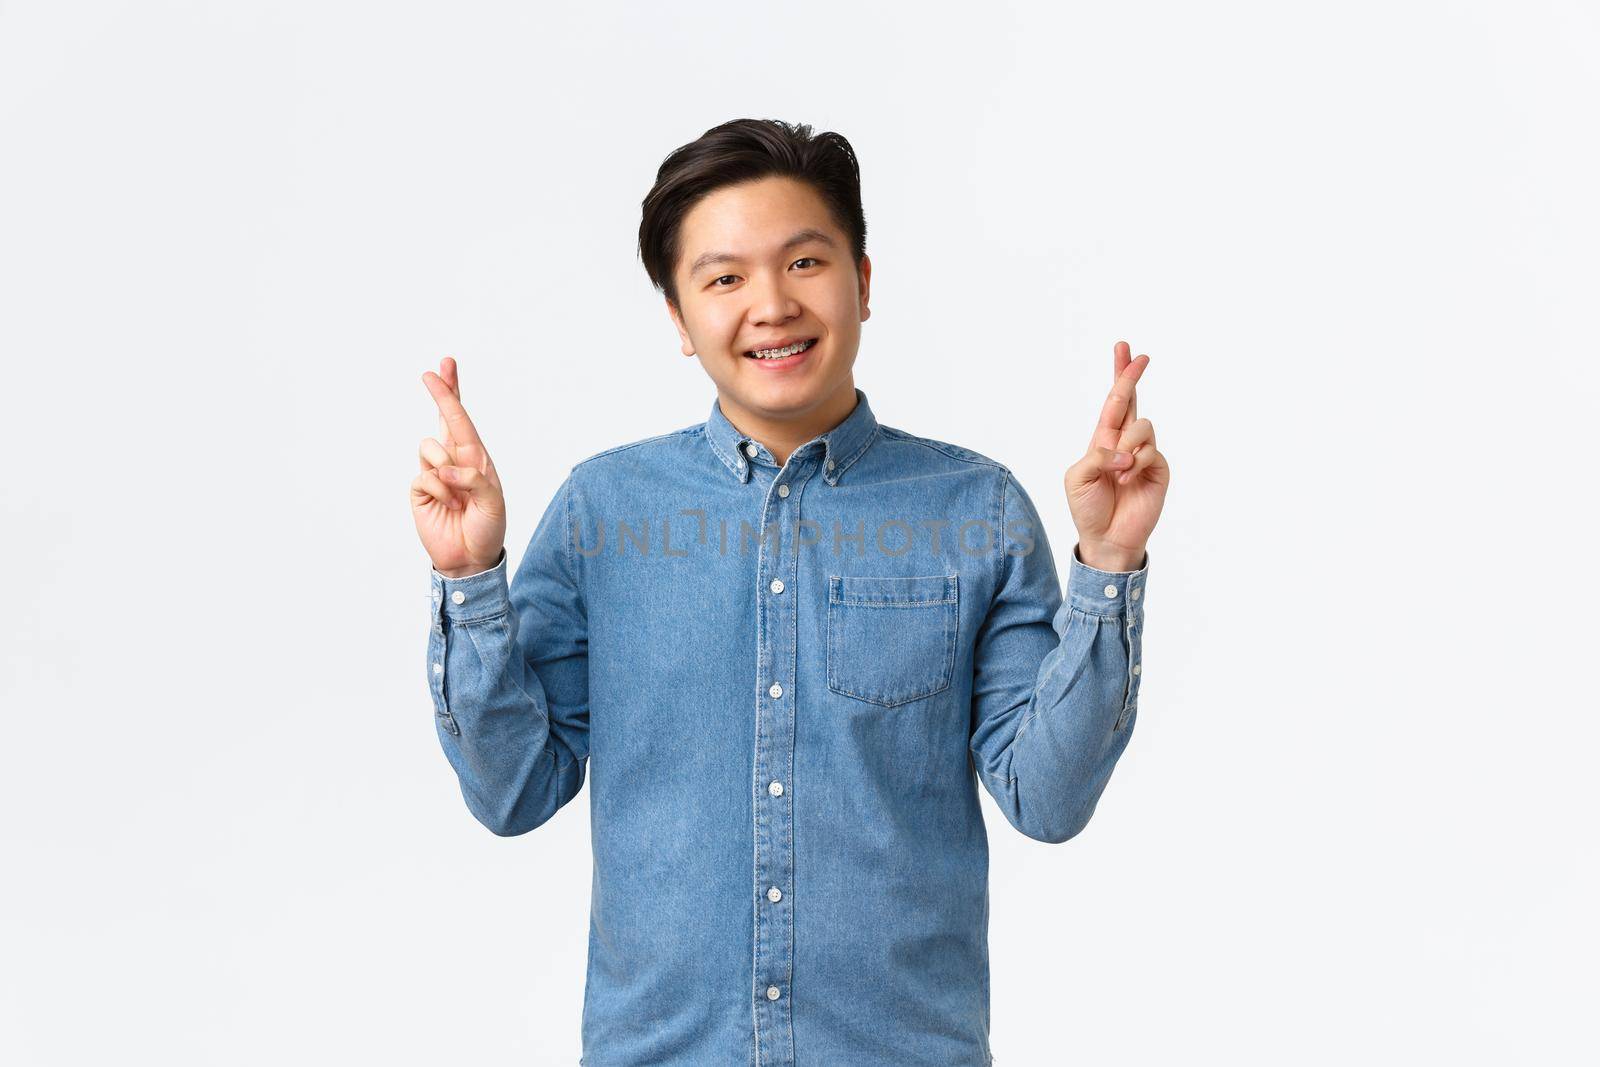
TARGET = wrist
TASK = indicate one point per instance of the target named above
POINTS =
(1109, 558)
(472, 568)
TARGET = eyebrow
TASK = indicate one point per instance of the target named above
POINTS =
(706, 259)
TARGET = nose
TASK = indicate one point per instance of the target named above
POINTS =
(771, 301)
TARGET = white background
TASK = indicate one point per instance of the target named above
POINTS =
(1356, 823)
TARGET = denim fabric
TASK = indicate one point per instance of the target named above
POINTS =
(784, 684)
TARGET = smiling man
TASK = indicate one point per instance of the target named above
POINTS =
(785, 644)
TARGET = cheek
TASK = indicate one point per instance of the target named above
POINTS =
(720, 326)
(844, 316)
(845, 306)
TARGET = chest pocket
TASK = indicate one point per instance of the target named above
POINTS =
(891, 640)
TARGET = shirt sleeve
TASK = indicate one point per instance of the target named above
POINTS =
(508, 672)
(1056, 679)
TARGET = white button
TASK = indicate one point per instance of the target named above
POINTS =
(751, 449)
(1111, 591)
(776, 690)
(774, 894)
(436, 594)
(777, 585)
(772, 992)
(776, 789)
(438, 668)
(458, 596)
(1134, 594)
(1135, 668)
(783, 490)
(830, 464)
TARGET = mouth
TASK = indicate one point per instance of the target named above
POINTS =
(790, 354)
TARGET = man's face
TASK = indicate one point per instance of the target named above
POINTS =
(770, 291)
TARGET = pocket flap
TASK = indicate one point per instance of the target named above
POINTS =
(892, 591)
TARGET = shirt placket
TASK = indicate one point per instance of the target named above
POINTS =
(1132, 644)
(777, 611)
(436, 655)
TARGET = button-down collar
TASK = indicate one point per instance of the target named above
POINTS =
(842, 445)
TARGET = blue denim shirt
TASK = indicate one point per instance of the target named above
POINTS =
(784, 685)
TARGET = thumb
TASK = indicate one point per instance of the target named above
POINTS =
(1098, 461)
(476, 484)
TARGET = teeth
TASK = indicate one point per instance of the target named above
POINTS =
(779, 353)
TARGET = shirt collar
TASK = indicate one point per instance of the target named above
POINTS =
(842, 445)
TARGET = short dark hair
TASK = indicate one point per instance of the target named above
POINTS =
(739, 151)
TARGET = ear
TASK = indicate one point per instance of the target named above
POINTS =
(864, 273)
(686, 345)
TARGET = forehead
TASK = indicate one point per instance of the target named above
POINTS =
(752, 220)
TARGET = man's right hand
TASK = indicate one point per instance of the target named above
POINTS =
(457, 500)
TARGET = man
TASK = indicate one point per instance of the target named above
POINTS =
(784, 644)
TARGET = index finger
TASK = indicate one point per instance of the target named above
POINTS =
(452, 377)
(1121, 356)
(456, 422)
(451, 374)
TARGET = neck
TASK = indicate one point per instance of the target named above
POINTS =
(783, 434)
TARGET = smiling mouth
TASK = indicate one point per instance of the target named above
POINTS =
(781, 354)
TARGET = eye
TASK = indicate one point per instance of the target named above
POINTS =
(716, 283)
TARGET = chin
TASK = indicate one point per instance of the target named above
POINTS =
(784, 398)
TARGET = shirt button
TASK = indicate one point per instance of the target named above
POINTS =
(1111, 591)
(1135, 668)
(751, 449)
(776, 690)
(457, 597)
(774, 894)
(772, 992)
(438, 668)
(436, 594)
(830, 464)
(777, 585)
(776, 789)
(783, 490)
(1134, 594)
